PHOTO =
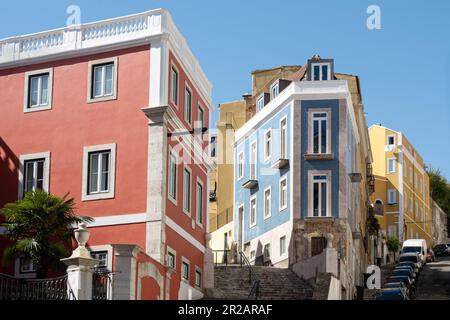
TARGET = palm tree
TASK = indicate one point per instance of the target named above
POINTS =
(40, 228)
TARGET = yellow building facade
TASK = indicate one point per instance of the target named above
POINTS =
(402, 194)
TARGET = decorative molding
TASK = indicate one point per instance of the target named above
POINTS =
(172, 224)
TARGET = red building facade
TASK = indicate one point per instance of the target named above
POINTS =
(114, 112)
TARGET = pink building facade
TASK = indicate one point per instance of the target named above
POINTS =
(114, 112)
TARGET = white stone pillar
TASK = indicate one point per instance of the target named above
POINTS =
(125, 269)
(208, 278)
(80, 267)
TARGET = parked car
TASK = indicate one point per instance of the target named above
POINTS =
(401, 278)
(410, 264)
(430, 255)
(416, 246)
(405, 272)
(441, 250)
(408, 268)
(401, 285)
(391, 294)
(411, 257)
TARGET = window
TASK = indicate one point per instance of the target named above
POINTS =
(283, 193)
(283, 139)
(103, 80)
(391, 140)
(174, 85)
(171, 260)
(411, 207)
(411, 175)
(391, 196)
(404, 169)
(268, 144)
(188, 106)
(267, 203)
(320, 196)
(253, 158)
(185, 270)
(392, 231)
(199, 203)
(415, 181)
(102, 257)
(187, 190)
(38, 90)
(320, 133)
(421, 185)
(26, 265)
(172, 176)
(253, 211)
(321, 71)
(99, 172)
(391, 165)
(240, 165)
(274, 90)
(198, 278)
(417, 211)
(282, 245)
(252, 255)
(260, 103)
(34, 175)
(200, 119)
(267, 252)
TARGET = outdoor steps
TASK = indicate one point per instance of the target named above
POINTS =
(231, 282)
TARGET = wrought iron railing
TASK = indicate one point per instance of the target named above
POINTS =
(101, 285)
(33, 289)
(221, 257)
(252, 277)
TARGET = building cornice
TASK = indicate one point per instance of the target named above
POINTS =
(106, 35)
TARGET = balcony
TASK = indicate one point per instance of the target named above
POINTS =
(280, 163)
(319, 156)
(355, 177)
(250, 184)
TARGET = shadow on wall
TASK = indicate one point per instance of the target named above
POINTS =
(9, 163)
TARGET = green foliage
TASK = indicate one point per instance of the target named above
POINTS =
(372, 224)
(393, 244)
(40, 228)
(439, 189)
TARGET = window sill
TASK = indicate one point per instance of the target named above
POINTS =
(280, 163)
(320, 218)
(37, 109)
(321, 156)
(100, 196)
(101, 99)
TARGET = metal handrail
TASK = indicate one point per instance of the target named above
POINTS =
(225, 256)
(252, 277)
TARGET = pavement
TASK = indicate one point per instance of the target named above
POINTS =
(434, 281)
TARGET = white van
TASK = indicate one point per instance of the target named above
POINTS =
(416, 245)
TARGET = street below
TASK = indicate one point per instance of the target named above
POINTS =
(434, 282)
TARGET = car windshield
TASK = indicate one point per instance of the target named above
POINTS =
(401, 273)
(408, 258)
(393, 285)
(412, 249)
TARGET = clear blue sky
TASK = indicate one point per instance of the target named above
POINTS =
(404, 68)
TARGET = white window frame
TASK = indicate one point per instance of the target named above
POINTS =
(185, 261)
(280, 200)
(393, 193)
(27, 89)
(106, 248)
(260, 102)
(411, 205)
(252, 224)
(200, 118)
(283, 132)
(241, 167)
(311, 175)
(320, 64)
(389, 171)
(186, 210)
(85, 196)
(411, 175)
(387, 140)
(392, 230)
(90, 88)
(311, 114)
(268, 144)
(172, 198)
(29, 157)
(275, 85)
(174, 253)
(269, 214)
(252, 255)
(283, 238)
(254, 166)
(186, 106)
(197, 215)
(174, 89)
(198, 271)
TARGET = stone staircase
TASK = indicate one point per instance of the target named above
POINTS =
(231, 282)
